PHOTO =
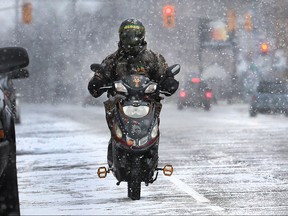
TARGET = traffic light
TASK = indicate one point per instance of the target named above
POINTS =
(264, 48)
(248, 22)
(231, 21)
(168, 16)
(27, 13)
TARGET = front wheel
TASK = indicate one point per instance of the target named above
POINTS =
(134, 183)
(207, 107)
(252, 112)
(180, 106)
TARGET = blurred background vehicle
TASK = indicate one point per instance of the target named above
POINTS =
(270, 97)
(195, 93)
(11, 61)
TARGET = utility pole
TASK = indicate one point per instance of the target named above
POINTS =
(74, 26)
(16, 22)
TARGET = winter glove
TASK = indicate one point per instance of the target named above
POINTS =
(169, 74)
(93, 87)
(100, 79)
(169, 86)
(95, 84)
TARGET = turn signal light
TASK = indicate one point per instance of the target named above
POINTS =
(102, 172)
(182, 94)
(195, 80)
(209, 95)
(168, 170)
(264, 48)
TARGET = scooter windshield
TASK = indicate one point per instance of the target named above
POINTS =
(136, 112)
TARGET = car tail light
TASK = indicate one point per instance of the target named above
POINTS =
(182, 94)
(209, 95)
(2, 133)
(195, 80)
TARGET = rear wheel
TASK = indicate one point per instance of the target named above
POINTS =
(134, 183)
(252, 112)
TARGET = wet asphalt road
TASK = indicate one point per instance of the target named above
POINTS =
(225, 163)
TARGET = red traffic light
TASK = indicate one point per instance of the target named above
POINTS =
(264, 47)
(168, 16)
(168, 10)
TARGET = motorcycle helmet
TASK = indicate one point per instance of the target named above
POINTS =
(131, 35)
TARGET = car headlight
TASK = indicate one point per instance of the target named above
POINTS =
(151, 88)
(120, 87)
(136, 112)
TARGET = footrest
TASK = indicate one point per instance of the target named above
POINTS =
(102, 172)
(168, 170)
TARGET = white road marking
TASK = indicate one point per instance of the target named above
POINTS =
(198, 197)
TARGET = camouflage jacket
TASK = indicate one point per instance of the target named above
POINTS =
(117, 65)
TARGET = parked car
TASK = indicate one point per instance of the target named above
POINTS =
(11, 61)
(7, 85)
(270, 97)
(195, 93)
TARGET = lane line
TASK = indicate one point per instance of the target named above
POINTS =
(184, 187)
(194, 194)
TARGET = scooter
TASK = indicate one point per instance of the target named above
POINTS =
(132, 114)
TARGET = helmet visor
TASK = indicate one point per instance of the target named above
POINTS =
(132, 37)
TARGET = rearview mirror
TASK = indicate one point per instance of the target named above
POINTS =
(19, 74)
(175, 69)
(13, 58)
(95, 67)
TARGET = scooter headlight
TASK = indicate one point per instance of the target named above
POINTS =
(136, 112)
(120, 87)
(132, 142)
(151, 88)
